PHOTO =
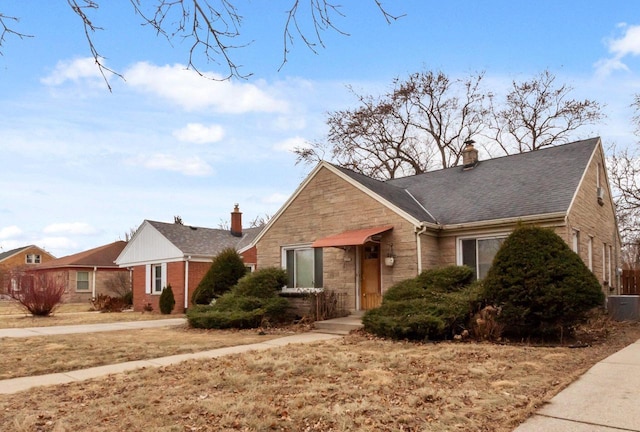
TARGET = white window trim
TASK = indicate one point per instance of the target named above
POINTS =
(604, 262)
(150, 278)
(575, 240)
(283, 260)
(498, 235)
(590, 253)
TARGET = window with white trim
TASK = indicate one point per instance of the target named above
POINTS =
(478, 253)
(155, 278)
(82, 281)
(304, 267)
(33, 259)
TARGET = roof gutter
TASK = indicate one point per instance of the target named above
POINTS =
(548, 217)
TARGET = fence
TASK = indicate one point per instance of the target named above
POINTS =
(630, 282)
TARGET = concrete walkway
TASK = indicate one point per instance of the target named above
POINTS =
(16, 385)
(605, 399)
(89, 328)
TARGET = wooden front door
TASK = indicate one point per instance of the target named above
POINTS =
(370, 294)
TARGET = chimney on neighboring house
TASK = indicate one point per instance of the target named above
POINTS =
(469, 155)
(236, 222)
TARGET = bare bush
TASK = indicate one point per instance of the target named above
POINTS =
(119, 284)
(105, 303)
(37, 294)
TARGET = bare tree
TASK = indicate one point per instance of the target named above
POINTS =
(421, 124)
(212, 27)
(624, 172)
(539, 113)
(259, 220)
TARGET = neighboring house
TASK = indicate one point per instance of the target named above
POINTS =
(19, 259)
(86, 274)
(162, 254)
(339, 227)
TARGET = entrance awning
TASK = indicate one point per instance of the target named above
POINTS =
(351, 238)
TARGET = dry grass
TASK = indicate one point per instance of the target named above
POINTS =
(8, 307)
(355, 383)
(61, 353)
(11, 316)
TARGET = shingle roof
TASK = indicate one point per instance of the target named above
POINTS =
(12, 252)
(203, 241)
(534, 183)
(102, 256)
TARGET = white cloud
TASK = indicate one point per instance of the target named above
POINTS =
(10, 231)
(290, 144)
(200, 134)
(193, 92)
(69, 228)
(628, 44)
(73, 70)
(190, 166)
(61, 243)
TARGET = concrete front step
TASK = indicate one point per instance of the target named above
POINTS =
(341, 326)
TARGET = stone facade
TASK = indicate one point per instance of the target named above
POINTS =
(331, 205)
(327, 204)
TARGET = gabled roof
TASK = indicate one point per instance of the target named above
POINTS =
(102, 256)
(16, 251)
(12, 252)
(160, 241)
(203, 241)
(534, 183)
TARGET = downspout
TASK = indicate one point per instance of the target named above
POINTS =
(95, 270)
(186, 282)
(419, 231)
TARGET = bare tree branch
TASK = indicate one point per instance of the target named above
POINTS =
(8, 30)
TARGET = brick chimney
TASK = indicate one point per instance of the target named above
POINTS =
(236, 222)
(469, 155)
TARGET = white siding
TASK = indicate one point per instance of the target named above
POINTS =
(148, 246)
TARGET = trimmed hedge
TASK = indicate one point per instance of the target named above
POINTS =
(436, 304)
(249, 304)
(540, 285)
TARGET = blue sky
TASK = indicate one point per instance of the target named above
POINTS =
(81, 165)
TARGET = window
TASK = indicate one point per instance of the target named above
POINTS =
(155, 278)
(576, 241)
(590, 253)
(604, 262)
(610, 266)
(303, 266)
(478, 253)
(82, 281)
(33, 259)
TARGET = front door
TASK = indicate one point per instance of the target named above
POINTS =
(370, 294)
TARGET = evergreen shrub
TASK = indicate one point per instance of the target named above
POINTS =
(225, 271)
(437, 304)
(167, 301)
(540, 286)
(249, 304)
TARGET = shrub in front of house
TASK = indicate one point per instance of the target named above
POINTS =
(225, 271)
(435, 305)
(539, 285)
(249, 304)
(167, 301)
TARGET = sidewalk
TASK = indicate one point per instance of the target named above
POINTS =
(605, 399)
(16, 385)
(89, 328)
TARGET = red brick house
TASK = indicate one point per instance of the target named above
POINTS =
(357, 236)
(162, 254)
(86, 274)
